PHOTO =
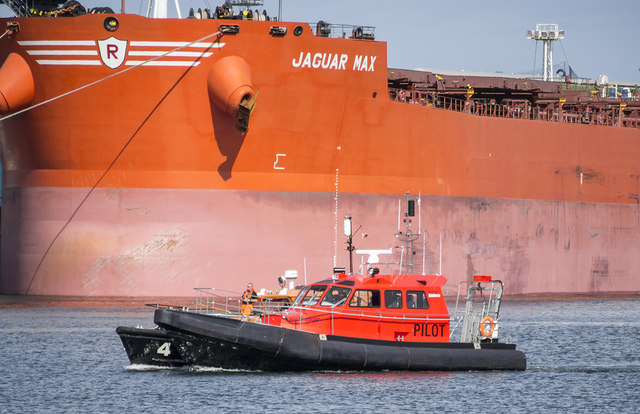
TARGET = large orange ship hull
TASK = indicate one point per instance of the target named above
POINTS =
(140, 185)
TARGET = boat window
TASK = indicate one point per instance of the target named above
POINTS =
(313, 295)
(337, 296)
(346, 283)
(300, 296)
(393, 299)
(366, 298)
(417, 299)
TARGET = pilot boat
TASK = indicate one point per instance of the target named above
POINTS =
(345, 322)
(355, 322)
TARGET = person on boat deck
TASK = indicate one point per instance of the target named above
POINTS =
(249, 297)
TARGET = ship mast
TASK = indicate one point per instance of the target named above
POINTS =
(160, 8)
(547, 33)
(408, 237)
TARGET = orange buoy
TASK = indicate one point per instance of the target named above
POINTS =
(229, 83)
(487, 326)
(16, 84)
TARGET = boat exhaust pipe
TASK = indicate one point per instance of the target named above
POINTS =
(230, 89)
(16, 84)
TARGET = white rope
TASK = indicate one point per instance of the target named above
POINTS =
(106, 77)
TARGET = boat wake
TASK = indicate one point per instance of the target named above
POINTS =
(200, 369)
(145, 367)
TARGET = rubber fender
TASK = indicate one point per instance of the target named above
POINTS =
(16, 84)
(229, 82)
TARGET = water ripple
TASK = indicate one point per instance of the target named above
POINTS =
(586, 369)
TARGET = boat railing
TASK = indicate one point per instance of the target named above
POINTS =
(609, 114)
(477, 304)
(307, 314)
(217, 301)
(227, 303)
(350, 31)
(398, 260)
(387, 266)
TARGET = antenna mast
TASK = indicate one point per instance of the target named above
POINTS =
(547, 33)
(408, 237)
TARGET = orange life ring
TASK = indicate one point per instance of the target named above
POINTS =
(487, 326)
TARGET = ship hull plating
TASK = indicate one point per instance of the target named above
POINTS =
(165, 242)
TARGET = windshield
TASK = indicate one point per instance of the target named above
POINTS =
(336, 296)
(313, 295)
(300, 296)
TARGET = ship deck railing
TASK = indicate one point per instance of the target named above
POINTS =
(592, 113)
(344, 31)
(19, 8)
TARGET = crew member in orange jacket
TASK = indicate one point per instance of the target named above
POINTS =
(249, 297)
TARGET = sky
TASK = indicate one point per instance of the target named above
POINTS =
(601, 37)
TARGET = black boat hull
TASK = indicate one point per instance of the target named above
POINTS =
(234, 344)
(149, 347)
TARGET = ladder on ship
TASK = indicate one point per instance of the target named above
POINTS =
(21, 8)
(481, 309)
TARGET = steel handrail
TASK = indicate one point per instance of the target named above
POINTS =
(370, 315)
(592, 114)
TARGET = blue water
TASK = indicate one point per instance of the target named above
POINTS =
(582, 357)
